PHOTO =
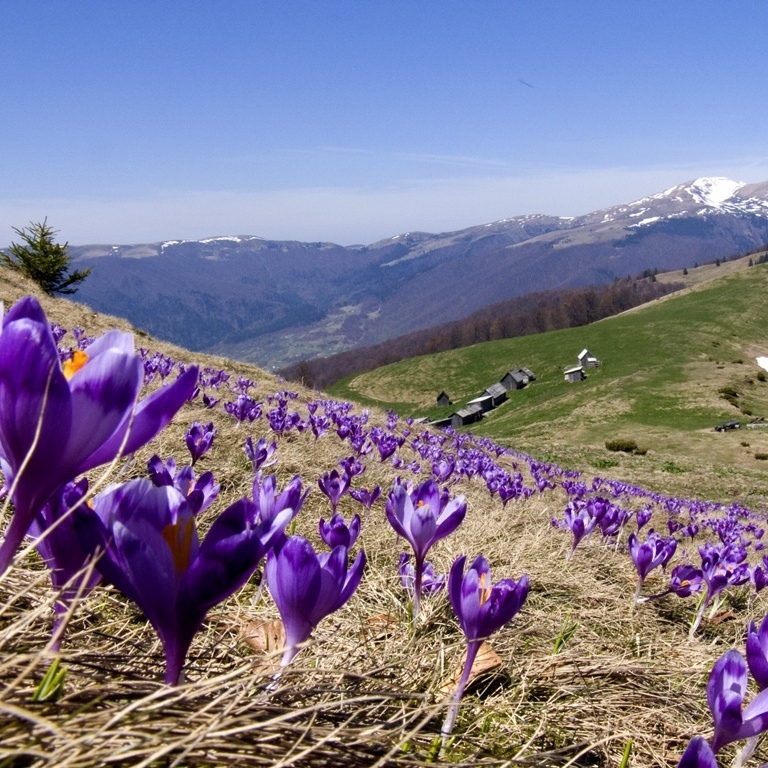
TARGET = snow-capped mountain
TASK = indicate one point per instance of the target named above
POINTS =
(276, 302)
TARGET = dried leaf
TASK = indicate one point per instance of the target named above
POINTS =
(267, 636)
(386, 620)
(719, 618)
(486, 660)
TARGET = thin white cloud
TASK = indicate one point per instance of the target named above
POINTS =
(346, 214)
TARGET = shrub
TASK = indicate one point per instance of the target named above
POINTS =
(625, 445)
(761, 456)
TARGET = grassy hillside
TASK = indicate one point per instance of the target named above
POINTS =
(577, 678)
(664, 367)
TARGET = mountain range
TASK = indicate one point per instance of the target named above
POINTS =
(277, 302)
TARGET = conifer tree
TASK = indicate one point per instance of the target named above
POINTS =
(42, 259)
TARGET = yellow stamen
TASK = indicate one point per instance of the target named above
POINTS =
(485, 591)
(74, 364)
(178, 537)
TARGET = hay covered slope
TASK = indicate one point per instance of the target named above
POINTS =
(578, 674)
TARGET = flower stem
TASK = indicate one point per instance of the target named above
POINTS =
(453, 707)
(418, 571)
(699, 616)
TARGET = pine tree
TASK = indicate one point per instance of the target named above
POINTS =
(43, 260)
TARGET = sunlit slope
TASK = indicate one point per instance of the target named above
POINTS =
(662, 368)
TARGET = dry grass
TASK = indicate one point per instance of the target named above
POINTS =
(368, 690)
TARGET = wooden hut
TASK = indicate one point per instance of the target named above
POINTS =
(515, 379)
(497, 393)
(574, 374)
(467, 415)
(443, 399)
(484, 401)
(587, 360)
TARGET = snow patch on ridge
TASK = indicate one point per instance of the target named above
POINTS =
(714, 191)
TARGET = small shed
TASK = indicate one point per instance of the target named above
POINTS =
(484, 402)
(574, 374)
(529, 373)
(515, 379)
(497, 393)
(587, 360)
(443, 399)
(467, 415)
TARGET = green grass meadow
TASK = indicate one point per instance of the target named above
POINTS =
(663, 368)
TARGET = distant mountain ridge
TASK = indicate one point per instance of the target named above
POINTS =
(277, 302)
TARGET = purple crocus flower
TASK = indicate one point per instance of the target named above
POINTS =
(686, 580)
(334, 486)
(243, 408)
(307, 587)
(56, 540)
(352, 466)
(152, 554)
(336, 532)
(200, 492)
(481, 609)
(721, 566)
(430, 584)
(199, 439)
(261, 454)
(655, 551)
(643, 516)
(269, 505)
(365, 497)
(423, 517)
(60, 421)
(726, 688)
(698, 754)
(757, 653)
(579, 521)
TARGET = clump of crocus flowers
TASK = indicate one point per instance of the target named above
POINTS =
(423, 516)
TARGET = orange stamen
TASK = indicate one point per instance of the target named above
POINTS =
(178, 537)
(485, 591)
(74, 364)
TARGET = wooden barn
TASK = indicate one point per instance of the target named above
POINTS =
(515, 379)
(497, 393)
(443, 399)
(484, 401)
(574, 374)
(588, 360)
(468, 415)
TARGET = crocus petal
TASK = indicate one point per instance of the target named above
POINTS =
(34, 401)
(451, 517)
(151, 415)
(293, 577)
(352, 581)
(698, 754)
(422, 531)
(726, 688)
(103, 392)
(228, 556)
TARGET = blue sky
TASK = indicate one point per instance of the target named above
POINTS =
(353, 120)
